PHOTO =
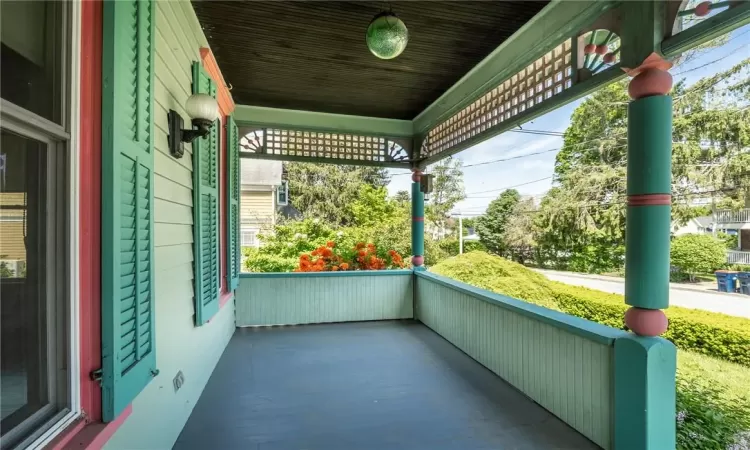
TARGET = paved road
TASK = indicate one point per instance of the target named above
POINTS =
(732, 304)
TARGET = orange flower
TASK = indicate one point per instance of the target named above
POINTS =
(304, 257)
(344, 266)
(334, 268)
(327, 252)
(371, 246)
(330, 244)
(361, 253)
(360, 245)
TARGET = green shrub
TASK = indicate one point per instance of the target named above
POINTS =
(260, 262)
(697, 253)
(706, 419)
(451, 246)
(496, 274)
(719, 335)
(738, 267)
(731, 241)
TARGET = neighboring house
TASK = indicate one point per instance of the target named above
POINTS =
(736, 223)
(696, 225)
(12, 232)
(262, 191)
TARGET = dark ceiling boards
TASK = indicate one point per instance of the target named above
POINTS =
(312, 55)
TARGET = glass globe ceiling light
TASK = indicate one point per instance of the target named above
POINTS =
(387, 36)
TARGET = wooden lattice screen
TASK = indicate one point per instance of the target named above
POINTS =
(323, 145)
(542, 79)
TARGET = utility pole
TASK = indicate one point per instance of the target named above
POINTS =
(460, 235)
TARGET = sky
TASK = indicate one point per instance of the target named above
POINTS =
(484, 183)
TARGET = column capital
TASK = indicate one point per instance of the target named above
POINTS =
(650, 78)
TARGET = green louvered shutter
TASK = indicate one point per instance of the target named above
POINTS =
(233, 204)
(128, 351)
(206, 209)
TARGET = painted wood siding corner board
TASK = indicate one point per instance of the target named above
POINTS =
(568, 374)
(301, 298)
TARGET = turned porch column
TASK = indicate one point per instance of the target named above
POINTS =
(417, 220)
(649, 184)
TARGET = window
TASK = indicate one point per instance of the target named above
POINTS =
(282, 193)
(34, 213)
(249, 238)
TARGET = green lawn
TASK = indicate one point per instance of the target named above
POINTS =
(734, 378)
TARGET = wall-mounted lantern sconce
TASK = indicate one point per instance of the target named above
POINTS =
(425, 184)
(203, 111)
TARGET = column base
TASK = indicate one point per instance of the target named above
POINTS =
(646, 322)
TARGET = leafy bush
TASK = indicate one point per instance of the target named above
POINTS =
(722, 336)
(496, 274)
(706, 419)
(451, 246)
(731, 241)
(262, 262)
(697, 253)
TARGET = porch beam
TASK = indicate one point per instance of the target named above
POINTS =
(316, 121)
(310, 159)
(722, 23)
(557, 21)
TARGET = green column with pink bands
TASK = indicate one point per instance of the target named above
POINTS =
(649, 187)
(417, 221)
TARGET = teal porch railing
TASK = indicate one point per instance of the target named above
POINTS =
(323, 297)
(562, 362)
(613, 387)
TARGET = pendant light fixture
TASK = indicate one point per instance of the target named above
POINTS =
(387, 35)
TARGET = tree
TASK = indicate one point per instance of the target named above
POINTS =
(447, 191)
(492, 225)
(373, 206)
(519, 231)
(697, 253)
(402, 197)
(581, 221)
(326, 191)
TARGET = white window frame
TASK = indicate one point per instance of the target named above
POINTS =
(70, 131)
(255, 243)
(283, 188)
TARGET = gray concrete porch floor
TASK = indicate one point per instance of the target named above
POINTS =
(363, 386)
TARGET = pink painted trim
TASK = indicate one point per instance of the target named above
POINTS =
(91, 436)
(226, 107)
(90, 208)
(417, 219)
(224, 298)
(650, 200)
(62, 440)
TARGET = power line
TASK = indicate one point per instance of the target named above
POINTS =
(509, 187)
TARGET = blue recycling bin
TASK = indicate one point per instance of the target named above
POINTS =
(726, 281)
(744, 280)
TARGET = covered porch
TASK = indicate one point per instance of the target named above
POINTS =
(169, 345)
(406, 358)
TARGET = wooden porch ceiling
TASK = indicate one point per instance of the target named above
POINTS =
(312, 55)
